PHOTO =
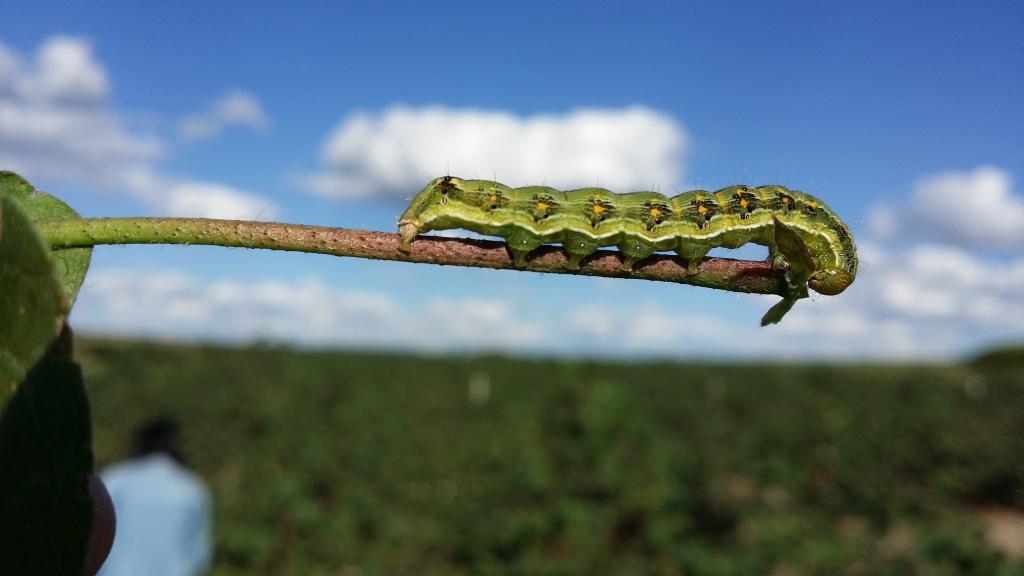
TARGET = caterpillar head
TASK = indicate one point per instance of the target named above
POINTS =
(434, 194)
(830, 282)
(411, 222)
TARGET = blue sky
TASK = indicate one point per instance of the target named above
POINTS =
(905, 118)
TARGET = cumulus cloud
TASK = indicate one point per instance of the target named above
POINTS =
(927, 300)
(941, 271)
(167, 303)
(922, 301)
(54, 121)
(172, 196)
(236, 108)
(64, 71)
(57, 125)
(975, 209)
(393, 152)
(947, 282)
(170, 303)
(647, 327)
(212, 200)
(932, 302)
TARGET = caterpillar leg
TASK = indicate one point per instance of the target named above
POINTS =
(692, 254)
(577, 247)
(776, 259)
(634, 250)
(574, 260)
(520, 244)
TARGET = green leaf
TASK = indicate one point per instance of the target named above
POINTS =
(71, 263)
(800, 266)
(32, 302)
(793, 247)
(776, 312)
(45, 459)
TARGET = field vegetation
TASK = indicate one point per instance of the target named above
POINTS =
(345, 463)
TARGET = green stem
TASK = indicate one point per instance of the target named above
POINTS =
(722, 273)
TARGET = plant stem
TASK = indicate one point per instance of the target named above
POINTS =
(726, 274)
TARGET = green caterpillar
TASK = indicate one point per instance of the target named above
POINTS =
(799, 230)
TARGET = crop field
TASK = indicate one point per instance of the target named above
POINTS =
(353, 463)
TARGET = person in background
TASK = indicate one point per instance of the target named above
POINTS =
(163, 509)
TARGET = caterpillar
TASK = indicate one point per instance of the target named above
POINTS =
(801, 232)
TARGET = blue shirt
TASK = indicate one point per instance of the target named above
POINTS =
(163, 519)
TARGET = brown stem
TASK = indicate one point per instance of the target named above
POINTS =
(756, 277)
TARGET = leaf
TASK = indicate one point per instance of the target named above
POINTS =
(792, 246)
(45, 430)
(71, 263)
(45, 460)
(800, 267)
(32, 301)
(775, 313)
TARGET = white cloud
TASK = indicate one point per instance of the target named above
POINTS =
(479, 323)
(976, 209)
(932, 302)
(593, 321)
(165, 302)
(181, 197)
(236, 108)
(211, 200)
(169, 303)
(396, 151)
(57, 125)
(929, 300)
(648, 328)
(940, 273)
(54, 121)
(67, 71)
(64, 71)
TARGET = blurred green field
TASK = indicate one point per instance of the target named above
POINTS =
(347, 463)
